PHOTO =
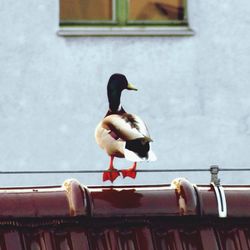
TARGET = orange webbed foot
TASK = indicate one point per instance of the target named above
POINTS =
(110, 175)
(128, 173)
(131, 172)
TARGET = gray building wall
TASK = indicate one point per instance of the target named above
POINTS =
(194, 94)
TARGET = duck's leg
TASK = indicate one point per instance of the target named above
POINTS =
(111, 174)
(131, 172)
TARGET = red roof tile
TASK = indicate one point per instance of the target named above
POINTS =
(180, 216)
(68, 200)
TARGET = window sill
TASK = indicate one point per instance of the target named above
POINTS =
(125, 31)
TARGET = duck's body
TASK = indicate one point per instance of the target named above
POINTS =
(122, 134)
(117, 134)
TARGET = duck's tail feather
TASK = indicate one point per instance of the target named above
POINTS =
(139, 150)
(152, 156)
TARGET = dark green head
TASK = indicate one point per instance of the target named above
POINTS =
(116, 84)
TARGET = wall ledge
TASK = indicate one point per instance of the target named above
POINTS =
(125, 31)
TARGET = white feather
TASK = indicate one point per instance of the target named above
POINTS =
(151, 156)
(132, 156)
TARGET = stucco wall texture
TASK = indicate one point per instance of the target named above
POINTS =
(194, 94)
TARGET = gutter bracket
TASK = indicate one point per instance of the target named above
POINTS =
(214, 170)
(219, 192)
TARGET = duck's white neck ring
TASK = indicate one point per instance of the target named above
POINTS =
(119, 109)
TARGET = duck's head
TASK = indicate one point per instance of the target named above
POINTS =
(116, 84)
(119, 82)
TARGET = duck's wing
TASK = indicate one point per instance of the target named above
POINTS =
(107, 141)
(126, 126)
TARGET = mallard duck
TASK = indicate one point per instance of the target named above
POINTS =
(122, 134)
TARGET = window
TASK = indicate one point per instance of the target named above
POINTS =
(123, 17)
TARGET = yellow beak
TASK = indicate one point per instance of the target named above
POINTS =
(131, 87)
